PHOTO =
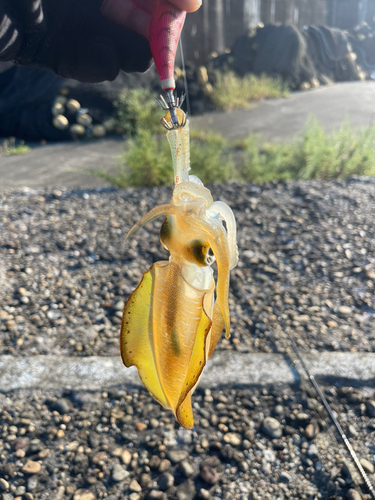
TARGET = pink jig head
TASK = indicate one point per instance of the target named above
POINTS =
(166, 25)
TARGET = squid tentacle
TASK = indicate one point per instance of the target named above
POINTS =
(154, 214)
(219, 244)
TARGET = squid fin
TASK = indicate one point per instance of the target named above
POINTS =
(184, 412)
(216, 329)
(136, 348)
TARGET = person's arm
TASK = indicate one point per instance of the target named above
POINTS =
(88, 40)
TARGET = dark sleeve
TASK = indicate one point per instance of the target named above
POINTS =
(69, 37)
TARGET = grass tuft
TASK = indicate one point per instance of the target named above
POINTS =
(231, 91)
(10, 148)
(136, 110)
(147, 160)
(317, 156)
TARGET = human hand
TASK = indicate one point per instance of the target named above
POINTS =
(136, 14)
(88, 40)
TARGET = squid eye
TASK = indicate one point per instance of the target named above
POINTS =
(210, 257)
(198, 250)
(166, 230)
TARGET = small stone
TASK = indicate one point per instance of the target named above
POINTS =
(58, 494)
(135, 486)
(209, 475)
(176, 456)
(332, 324)
(272, 428)
(312, 451)
(53, 314)
(126, 457)
(145, 481)
(302, 416)
(4, 485)
(165, 481)
(352, 431)
(7, 496)
(266, 468)
(311, 430)
(353, 495)
(101, 456)
(119, 473)
(134, 496)
(31, 467)
(117, 452)
(284, 477)
(164, 465)
(186, 490)
(84, 495)
(186, 468)
(62, 406)
(269, 455)
(368, 466)
(370, 406)
(60, 434)
(140, 426)
(43, 453)
(279, 410)
(232, 438)
(154, 423)
(204, 494)
(154, 462)
(243, 466)
(32, 483)
(344, 310)
(156, 495)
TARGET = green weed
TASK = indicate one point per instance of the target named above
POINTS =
(10, 148)
(147, 161)
(231, 91)
(136, 110)
(317, 156)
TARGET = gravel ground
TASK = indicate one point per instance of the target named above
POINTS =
(66, 270)
(268, 444)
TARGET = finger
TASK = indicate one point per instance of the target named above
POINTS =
(128, 14)
(187, 5)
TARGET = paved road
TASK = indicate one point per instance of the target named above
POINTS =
(278, 119)
(282, 119)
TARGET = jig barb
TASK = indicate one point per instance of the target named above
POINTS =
(171, 322)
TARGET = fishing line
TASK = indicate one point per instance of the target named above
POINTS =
(317, 388)
(185, 79)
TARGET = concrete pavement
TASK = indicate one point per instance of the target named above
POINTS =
(226, 368)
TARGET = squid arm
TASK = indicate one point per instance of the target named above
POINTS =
(154, 214)
(219, 244)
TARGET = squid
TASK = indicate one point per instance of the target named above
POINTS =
(174, 318)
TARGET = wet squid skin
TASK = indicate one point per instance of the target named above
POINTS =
(172, 322)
